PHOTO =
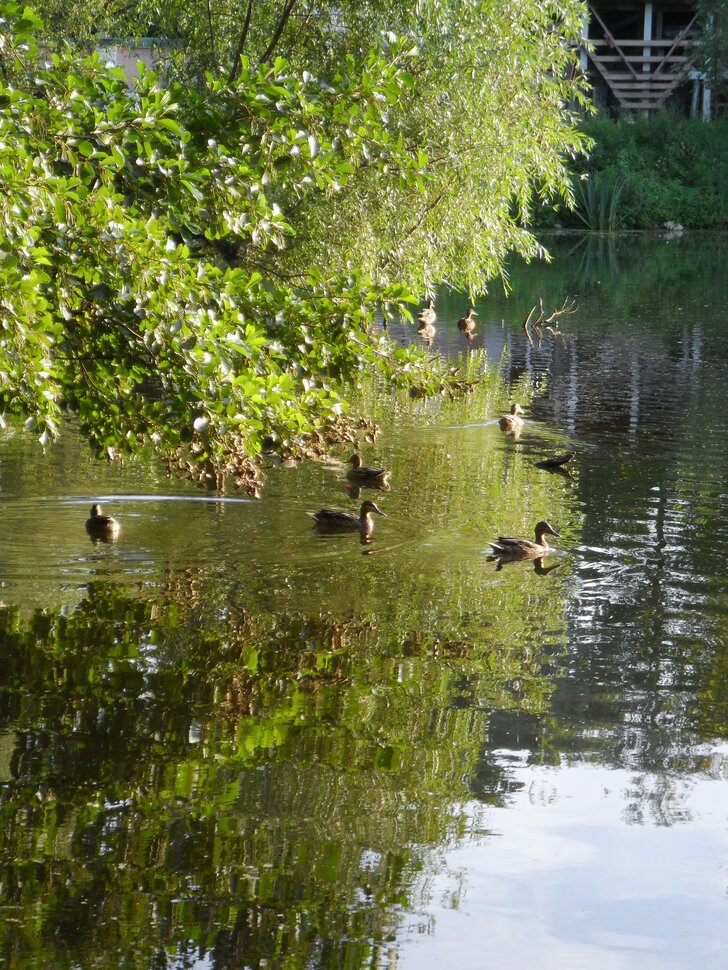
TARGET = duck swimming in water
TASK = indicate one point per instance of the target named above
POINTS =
(466, 324)
(558, 461)
(102, 527)
(426, 322)
(372, 477)
(427, 314)
(512, 423)
(332, 521)
(509, 548)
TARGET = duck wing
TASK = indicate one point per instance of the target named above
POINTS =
(557, 461)
(333, 515)
(512, 544)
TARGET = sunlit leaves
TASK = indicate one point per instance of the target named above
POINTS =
(198, 265)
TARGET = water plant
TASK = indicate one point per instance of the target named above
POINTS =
(598, 201)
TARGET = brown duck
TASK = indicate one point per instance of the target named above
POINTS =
(512, 423)
(100, 526)
(359, 474)
(426, 321)
(506, 547)
(332, 521)
(466, 324)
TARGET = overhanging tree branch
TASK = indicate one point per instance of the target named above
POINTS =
(235, 66)
(279, 30)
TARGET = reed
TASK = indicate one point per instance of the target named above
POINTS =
(598, 201)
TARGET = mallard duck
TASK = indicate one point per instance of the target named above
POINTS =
(558, 461)
(426, 322)
(100, 526)
(427, 315)
(511, 423)
(331, 520)
(508, 548)
(361, 475)
(466, 324)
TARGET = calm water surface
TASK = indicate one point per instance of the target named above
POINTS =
(226, 741)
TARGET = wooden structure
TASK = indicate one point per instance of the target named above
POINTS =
(641, 55)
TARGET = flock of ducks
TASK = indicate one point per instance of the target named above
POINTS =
(105, 528)
(504, 548)
(427, 318)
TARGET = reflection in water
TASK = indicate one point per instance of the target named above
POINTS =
(538, 563)
(226, 741)
(595, 889)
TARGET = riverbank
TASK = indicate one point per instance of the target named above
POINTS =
(643, 173)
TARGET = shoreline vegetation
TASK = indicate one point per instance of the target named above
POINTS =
(645, 172)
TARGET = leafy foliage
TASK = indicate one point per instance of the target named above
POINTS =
(643, 172)
(713, 51)
(198, 266)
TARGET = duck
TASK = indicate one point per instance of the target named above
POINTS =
(558, 461)
(512, 423)
(426, 322)
(100, 526)
(466, 324)
(427, 315)
(332, 520)
(361, 475)
(508, 548)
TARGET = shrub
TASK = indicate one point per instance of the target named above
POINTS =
(643, 172)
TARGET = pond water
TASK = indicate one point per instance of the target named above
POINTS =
(227, 741)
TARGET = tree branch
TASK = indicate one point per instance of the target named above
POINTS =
(416, 225)
(212, 32)
(279, 29)
(235, 66)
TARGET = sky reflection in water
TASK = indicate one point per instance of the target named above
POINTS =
(562, 878)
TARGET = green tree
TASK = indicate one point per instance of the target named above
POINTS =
(197, 264)
(713, 51)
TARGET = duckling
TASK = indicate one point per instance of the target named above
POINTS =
(372, 477)
(508, 548)
(102, 527)
(466, 324)
(332, 521)
(511, 423)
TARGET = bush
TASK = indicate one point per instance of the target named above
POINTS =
(643, 172)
